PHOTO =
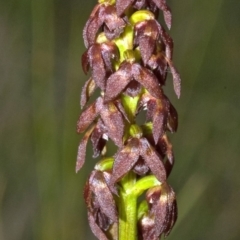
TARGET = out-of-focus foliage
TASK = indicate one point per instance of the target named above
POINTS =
(40, 82)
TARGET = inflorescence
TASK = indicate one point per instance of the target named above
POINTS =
(128, 54)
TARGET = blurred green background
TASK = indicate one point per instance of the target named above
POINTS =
(40, 83)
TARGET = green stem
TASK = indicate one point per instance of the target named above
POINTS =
(127, 209)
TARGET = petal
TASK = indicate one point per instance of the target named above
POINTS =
(167, 40)
(133, 89)
(118, 81)
(167, 205)
(161, 4)
(140, 167)
(97, 65)
(97, 139)
(158, 113)
(109, 52)
(173, 218)
(104, 196)
(122, 5)
(87, 90)
(113, 121)
(88, 115)
(176, 78)
(125, 159)
(82, 149)
(153, 160)
(87, 192)
(147, 46)
(112, 20)
(147, 79)
(158, 208)
(159, 64)
(168, 43)
(146, 227)
(85, 62)
(93, 24)
(122, 109)
(172, 119)
(166, 149)
(139, 4)
(95, 228)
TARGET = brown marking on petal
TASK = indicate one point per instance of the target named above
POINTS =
(152, 160)
(82, 149)
(87, 90)
(125, 159)
(88, 115)
(113, 121)
(147, 79)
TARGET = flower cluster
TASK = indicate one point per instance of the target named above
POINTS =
(128, 55)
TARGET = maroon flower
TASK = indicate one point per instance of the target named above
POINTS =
(99, 57)
(103, 15)
(102, 211)
(128, 155)
(162, 213)
(125, 74)
(123, 5)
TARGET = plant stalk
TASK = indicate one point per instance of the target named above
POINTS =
(127, 209)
